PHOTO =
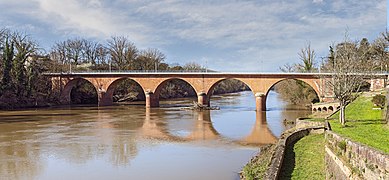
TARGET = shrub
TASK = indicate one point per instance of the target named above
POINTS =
(342, 145)
(379, 100)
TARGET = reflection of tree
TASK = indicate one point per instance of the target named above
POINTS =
(19, 154)
(123, 149)
(19, 161)
(121, 138)
(291, 115)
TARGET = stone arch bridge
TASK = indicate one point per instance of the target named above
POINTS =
(203, 83)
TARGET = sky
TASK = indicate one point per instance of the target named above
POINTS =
(223, 35)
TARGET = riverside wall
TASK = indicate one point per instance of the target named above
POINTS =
(287, 139)
(346, 159)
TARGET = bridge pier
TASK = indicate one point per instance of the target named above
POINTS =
(151, 100)
(260, 102)
(104, 99)
(202, 99)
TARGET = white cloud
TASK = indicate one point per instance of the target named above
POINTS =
(230, 34)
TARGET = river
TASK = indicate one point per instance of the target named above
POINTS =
(132, 142)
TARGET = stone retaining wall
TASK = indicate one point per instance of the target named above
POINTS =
(286, 139)
(346, 159)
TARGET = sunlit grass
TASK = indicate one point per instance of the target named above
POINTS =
(305, 160)
(364, 124)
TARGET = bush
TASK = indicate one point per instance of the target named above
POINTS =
(379, 100)
(342, 145)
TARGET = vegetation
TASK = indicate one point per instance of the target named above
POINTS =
(257, 167)
(365, 124)
(23, 62)
(305, 159)
(379, 100)
(351, 65)
(295, 91)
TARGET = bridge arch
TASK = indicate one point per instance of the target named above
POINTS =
(65, 97)
(161, 85)
(325, 109)
(108, 98)
(210, 91)
(312, 84)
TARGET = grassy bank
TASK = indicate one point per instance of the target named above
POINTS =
(364, 124)
(257, 167)
(305, 159)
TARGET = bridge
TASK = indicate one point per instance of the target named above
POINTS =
(203, 84)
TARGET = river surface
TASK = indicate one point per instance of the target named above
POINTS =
(132, 142)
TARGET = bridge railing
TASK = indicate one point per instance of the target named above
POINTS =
(195, 72)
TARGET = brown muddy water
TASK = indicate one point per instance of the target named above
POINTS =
(131, 142)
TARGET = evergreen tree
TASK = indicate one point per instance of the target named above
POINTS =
(8, 54)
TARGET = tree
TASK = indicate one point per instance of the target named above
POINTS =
(8, 54)
(385, 42)
(348, 73)
(307, 56)
(24, 47)
(74, 50)
(149, 59)
(122, 53)
(91, 51)
(294, 91)
(193, 66)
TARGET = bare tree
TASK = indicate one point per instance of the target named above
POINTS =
(348, 74)
(91, 51)
(122, 52)
(149, 59)
(307, 56)
(193, 66)
(383, 54)
(102, 54)
(74, 50)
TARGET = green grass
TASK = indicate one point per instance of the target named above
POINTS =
(361, 109)
(305, 159)
(363, 124)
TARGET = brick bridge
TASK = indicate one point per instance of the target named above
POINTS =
(203, 83)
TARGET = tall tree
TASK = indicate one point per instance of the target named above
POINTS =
(8, 54)
(348, 74)
(149, 59)
(307, 56)
(24, 47)
(122, 53)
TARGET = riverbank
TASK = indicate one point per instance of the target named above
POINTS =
(291, 155)
(305, 158)
(363, 118)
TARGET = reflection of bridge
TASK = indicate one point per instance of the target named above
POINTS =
(204, 130)
(203, 84)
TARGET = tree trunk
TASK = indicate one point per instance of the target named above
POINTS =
(387, 106)
(342, 116)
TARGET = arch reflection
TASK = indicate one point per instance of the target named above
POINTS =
(203, 129)
(260, 133)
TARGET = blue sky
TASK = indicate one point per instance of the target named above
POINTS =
(226, 35)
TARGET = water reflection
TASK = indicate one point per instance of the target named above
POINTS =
(203, 129)
(260, 133)
(129, 142)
